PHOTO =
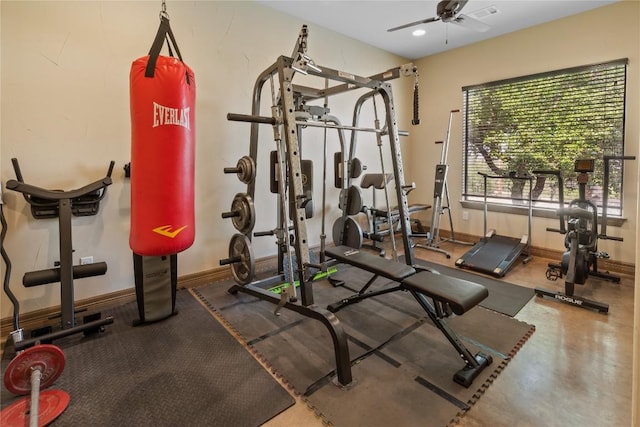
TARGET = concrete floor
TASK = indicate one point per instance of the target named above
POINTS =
(574, 371)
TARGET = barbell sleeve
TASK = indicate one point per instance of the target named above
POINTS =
(232, 214)
(233, 260)
(251, 119)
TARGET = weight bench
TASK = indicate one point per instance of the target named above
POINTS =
(378, 181)
(395, 212)
(436, 294)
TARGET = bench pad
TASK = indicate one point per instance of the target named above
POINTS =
(390, 269)
(461, 295)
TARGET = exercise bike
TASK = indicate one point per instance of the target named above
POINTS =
(579, 224)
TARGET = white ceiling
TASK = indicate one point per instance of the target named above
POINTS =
(368, 21)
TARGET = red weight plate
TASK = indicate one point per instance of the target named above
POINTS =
(52, 404)
(46, 357)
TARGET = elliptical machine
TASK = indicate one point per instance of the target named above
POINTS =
(580, 260)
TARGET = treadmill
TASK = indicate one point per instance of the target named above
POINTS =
(495, 254)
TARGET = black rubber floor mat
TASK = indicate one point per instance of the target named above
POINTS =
(187, 370)
(504, 297)
(402, 365)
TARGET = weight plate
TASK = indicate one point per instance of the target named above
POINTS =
(245, 217)
(46, 357)
(336, 231)
(354, 200)
(342, 200)
(244, 269)
(356, 168)
(246, 169)
(51, 405)
(351, 233)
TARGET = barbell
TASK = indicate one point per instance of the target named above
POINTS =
(32, 370)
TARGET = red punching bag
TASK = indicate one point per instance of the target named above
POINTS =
(162, 96)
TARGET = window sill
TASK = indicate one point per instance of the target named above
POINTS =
(537, 212)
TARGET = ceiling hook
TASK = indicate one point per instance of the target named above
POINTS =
(163, 12)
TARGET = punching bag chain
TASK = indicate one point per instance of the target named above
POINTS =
(163, 11)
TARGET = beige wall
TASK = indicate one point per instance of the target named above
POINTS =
(65, 115)
(607, 33)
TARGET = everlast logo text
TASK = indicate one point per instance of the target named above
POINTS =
(170, 116)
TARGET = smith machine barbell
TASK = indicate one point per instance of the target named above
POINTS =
(290, 112)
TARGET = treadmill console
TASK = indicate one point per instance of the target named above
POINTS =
(584, 165)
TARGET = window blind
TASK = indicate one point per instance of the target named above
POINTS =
(545, 122)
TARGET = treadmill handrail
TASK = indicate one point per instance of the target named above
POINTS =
(525, 177)
(605, 193)
(558, 175)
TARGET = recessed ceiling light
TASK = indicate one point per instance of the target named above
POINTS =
(418, 33)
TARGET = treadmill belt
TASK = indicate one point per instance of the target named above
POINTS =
(494, 255)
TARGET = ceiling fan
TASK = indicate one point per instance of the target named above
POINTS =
(449, 11)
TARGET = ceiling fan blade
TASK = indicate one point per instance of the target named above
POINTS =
(423, 21)
(470, 23)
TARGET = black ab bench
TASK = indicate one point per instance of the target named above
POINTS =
(458, 295)
(45, 203)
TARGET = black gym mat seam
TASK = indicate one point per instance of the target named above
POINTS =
(374, 350)
(277, 331)
(440, 392)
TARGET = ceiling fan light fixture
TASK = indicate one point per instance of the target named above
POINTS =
(419, 32)
(449, 11)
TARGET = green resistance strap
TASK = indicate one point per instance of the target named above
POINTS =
(319, 275)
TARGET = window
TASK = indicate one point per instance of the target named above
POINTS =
(545, 122)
